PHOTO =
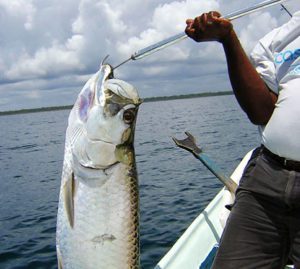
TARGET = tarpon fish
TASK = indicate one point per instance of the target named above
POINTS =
(98, 212)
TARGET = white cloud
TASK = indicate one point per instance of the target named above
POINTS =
(48, 61)
(20, 9)
(168, 19)
(254, 30)
(34, 94)
(292, 5)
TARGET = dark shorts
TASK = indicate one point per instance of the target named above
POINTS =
(263, 229)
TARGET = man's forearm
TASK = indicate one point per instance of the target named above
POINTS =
(253, 95)
(249, 88)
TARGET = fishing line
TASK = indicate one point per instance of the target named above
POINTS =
(287, 11)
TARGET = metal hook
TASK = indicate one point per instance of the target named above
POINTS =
(105, 58)
(111, 75)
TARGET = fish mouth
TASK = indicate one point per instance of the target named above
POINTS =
(102, 168)
(93, 176)
(103, 141)
(96, 154)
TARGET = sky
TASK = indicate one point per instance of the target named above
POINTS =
(50, 48)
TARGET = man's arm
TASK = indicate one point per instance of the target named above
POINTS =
(252, 93)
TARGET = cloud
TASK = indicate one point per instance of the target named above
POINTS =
(21, 10)
(292, 5)
(49, 48)
(253, 31)
(167, 19)
(47, 62)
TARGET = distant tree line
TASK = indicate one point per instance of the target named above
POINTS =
(150, 99)
(187, 96)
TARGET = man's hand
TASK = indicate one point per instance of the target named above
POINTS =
(209, 27)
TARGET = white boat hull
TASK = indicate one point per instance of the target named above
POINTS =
(197, 246)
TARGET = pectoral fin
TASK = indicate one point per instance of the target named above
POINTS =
(59, 259)
(69, 193)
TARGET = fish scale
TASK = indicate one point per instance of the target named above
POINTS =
(98, 212)
(109, 206)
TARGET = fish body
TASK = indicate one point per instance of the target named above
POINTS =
(98, 212)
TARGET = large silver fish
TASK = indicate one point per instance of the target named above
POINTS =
(98, 214)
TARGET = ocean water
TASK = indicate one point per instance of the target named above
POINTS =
(174, 186)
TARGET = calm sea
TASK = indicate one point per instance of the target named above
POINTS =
(174, 186)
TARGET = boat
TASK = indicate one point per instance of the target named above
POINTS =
(197, 246)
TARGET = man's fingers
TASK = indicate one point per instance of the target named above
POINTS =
(189, 21)
(200, 23)
(214, 14)
(208, 27)
(189, 29)
(213, 17)
(190, 32)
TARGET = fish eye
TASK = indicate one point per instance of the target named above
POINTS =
(129, 116)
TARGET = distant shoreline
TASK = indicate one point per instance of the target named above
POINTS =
(149, 99)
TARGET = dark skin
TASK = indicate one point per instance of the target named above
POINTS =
(253, 95)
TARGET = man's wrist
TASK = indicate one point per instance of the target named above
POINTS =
(228, 38)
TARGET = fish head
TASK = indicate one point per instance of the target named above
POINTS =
(113, 115)
(106, 116)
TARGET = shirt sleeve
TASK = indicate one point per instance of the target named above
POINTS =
(262, 59)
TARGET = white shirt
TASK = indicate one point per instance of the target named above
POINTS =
(277, 59)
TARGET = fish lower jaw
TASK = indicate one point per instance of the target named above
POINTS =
(99, 166)
(94, 177)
